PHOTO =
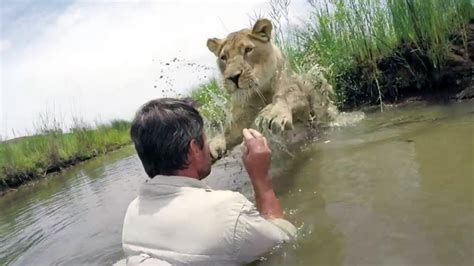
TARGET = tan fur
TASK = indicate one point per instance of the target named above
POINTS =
(263, 88)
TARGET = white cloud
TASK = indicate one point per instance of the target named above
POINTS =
(4, 45)
(105, 59)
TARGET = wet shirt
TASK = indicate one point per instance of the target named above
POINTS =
(180, 220)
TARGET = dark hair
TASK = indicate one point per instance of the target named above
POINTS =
(162, 130)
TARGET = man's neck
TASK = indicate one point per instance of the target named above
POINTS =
(191, 173)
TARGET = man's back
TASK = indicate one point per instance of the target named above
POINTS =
(176, 218)
(182, 221)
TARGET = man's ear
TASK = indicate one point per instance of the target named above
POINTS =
(213, 45)
(194, 148)
(262, 30)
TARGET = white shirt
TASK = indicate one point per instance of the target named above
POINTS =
(180, 220)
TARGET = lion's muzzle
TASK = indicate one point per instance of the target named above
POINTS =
(235, 79)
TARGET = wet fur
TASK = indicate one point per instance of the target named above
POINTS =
(267, 92)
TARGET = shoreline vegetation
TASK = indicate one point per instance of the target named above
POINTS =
(374, 52)
(51, 149)
(383, 51)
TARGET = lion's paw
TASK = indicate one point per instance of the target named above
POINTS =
(217, 147)
(276, 118)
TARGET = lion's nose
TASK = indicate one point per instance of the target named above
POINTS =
(235, 79)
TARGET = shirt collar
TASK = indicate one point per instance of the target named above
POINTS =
(177, 181)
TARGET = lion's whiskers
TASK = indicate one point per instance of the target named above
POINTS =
(262, 97)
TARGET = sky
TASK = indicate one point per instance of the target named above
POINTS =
(100, 60)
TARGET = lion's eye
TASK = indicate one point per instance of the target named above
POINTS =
(223, 57)
(248, 50)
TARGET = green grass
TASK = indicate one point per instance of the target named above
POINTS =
(33, 155)
(213, 105)
(352, 37)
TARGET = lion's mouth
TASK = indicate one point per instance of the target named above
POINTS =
(243, 89)
(235, 80)
(239, 85)
(235, 86)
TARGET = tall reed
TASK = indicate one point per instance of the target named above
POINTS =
(351, 37)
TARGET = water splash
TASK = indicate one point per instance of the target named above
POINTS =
(346, 119)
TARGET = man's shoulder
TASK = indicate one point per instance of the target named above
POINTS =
(223, 196)
(219, 202)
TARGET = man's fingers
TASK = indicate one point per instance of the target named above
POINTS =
(255, 133)
(258, 135)
(247, 134)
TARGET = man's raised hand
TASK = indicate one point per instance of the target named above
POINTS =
(256, 154)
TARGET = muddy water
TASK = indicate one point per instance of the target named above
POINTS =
(393, 189)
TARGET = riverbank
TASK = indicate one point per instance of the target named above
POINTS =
(51, 150)
(409, 77)
(377, 52)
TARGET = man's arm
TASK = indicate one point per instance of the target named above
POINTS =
(256, 158)
(259, 228)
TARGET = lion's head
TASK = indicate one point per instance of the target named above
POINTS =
(247, 59)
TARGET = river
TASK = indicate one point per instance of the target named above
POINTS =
(395, 188)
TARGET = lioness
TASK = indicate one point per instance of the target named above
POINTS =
(262, 86)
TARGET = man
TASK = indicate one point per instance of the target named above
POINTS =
(176, 218)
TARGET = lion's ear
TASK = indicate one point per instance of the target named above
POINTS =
(213, 45)
(262, 29)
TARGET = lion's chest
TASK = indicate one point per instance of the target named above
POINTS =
(246, 112)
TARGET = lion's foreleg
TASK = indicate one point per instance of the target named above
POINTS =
(289, 103)
(297, 100)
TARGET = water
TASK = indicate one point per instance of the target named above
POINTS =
(393, 189)
(73, 218)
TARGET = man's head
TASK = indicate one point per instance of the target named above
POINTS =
(169, 138)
